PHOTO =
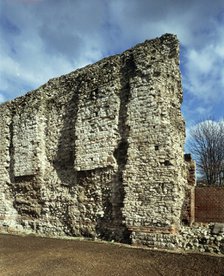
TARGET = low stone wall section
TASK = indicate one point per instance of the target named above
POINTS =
(199, 238)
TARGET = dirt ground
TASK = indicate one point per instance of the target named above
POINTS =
(44, 256)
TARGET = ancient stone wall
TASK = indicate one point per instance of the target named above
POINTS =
(98, 152)
(188, 208)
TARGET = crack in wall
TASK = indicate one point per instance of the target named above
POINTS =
(11, 148)
(66, 155)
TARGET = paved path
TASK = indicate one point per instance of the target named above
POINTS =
(43, 256)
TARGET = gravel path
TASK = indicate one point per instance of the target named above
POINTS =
(43, 256)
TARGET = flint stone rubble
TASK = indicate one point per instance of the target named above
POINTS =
(198, 238)
(99, 152)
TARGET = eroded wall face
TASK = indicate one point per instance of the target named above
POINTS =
(98, 151)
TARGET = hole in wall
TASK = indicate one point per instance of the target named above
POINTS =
(157, 74)
(167, 163)
(94, 94)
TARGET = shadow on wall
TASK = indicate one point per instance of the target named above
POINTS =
(100, 190)
(90, 190)
(64, 161)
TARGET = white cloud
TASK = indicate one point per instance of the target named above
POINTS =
(2, 98)
(201, 61)
(203, 111)
(203, 71)
(43, 39)
(200, 28)
(46, 39)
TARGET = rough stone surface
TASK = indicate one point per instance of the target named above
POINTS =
(99, 152)
(188, 208)
(199, 238)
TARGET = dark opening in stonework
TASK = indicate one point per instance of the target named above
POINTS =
(24, 178)
(94, 94)
(156, 73)
(156, 147)
(167, 163)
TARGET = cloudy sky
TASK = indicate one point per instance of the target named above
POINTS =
(41, 39)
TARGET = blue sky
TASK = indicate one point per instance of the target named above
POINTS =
(41, 39)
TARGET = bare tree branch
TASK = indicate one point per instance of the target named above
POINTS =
(207, 146)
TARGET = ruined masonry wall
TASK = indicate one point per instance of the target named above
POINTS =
(99, 151)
